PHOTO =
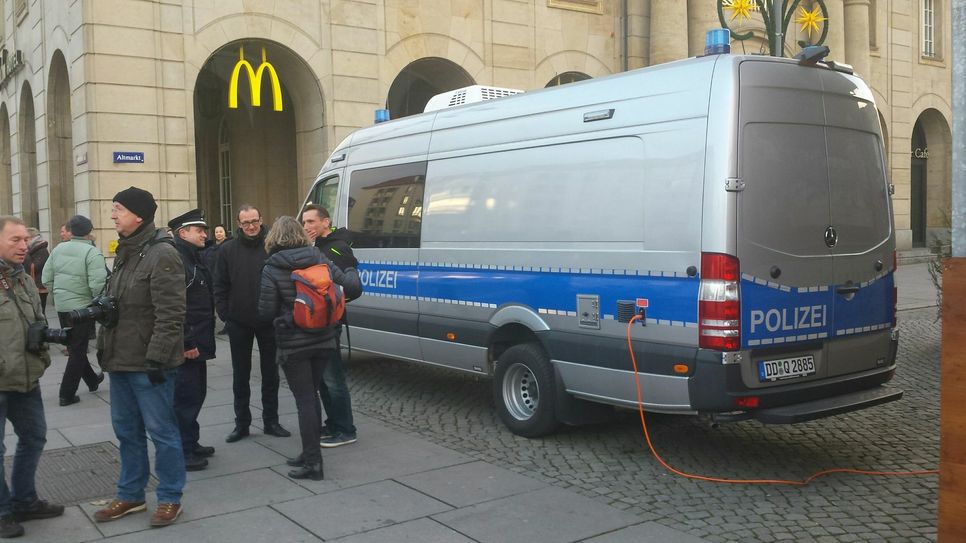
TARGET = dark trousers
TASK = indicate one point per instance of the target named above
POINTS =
(240, 338)
(78, 365)
(25, 411)
(190, 390)
(303, 371)
(335, 395)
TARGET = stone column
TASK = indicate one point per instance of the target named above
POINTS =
(669, 31)
(835, 40)
(637, 25)
(702, 17)
(857, 36)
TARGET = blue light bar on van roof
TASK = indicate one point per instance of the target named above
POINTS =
(382, 115)
(717, 41)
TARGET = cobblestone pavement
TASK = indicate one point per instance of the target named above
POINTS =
(609, 462)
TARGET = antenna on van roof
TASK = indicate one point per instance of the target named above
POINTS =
(810, 55)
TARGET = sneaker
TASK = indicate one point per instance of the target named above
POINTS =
(9, 527)
(98, 381)
(38, 510)
(326, 432)
(117, 509)
(337, 440)
(165, 514)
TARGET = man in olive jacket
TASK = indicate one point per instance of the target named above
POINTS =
(141, 352)
(20, 400)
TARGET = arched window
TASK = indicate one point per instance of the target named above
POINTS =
(224, 175)
(567, 77)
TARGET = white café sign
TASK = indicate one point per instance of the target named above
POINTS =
(920, 152)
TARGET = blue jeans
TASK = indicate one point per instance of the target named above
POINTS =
(25, 411)
(335, 394)
(136, 406)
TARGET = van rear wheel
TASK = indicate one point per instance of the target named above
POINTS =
(523, 390)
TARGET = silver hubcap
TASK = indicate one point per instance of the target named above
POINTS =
(521, 395)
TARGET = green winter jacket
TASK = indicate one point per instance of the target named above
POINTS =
(148, 282)
(19, 370)
(74, 274)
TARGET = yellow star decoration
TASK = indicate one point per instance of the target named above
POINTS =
(810, 19)
(741, 9)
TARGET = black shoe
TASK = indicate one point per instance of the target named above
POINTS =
(308, 471)
(275, 429)
(100, 379)
(69, 401)
(38, 510)
(203, 451)
(9, 527)
(236, 435)
(296, 462)
(195, 463)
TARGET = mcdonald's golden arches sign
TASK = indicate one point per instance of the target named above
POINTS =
(254, 81)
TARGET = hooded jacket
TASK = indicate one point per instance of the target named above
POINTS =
(148, 283)
(199, 322)
(19, 370)
(238, 272)
(277, 298)
(75, 273)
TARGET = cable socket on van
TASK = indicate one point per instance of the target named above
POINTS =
(719, 303)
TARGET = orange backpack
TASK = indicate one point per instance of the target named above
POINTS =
(319, 302)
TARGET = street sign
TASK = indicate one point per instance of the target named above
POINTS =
(126, 157)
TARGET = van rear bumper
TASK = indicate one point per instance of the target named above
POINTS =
(816, 409)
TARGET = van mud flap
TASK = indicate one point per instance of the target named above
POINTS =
(826, 407)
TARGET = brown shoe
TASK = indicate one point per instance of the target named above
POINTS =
(117, 509)
(166, 514)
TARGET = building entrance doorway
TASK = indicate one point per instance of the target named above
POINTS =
(258, 130)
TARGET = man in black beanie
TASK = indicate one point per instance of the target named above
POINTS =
(141, 349)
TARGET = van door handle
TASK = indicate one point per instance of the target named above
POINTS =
(845, 291)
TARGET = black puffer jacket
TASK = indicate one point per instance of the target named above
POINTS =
(277, 297)
(337, 247)
(238, 270)
(199, 321)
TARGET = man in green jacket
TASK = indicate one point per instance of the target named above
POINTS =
(75, 273)
(20, 371)
(141, 351)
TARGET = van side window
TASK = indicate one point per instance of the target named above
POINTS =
(386, 206)
(325, 194)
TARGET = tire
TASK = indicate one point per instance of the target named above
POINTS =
(523, 391)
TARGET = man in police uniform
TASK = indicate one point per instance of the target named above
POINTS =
(190, 236)
(20, 400)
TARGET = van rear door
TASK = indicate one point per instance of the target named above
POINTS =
(813, 221)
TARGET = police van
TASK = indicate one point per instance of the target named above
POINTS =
(738, 204)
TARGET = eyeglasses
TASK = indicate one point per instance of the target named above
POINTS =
(252, 222)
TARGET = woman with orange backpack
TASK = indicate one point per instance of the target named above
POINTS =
(302, 293)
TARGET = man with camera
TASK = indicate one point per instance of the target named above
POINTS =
(75, 273)
(190, 236)
(25, 358)
(141, 346)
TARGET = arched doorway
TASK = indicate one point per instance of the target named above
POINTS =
(421, 80)
(256, 154)
(28, 157)
(60, 143)
(930, 196)
(6, 177)
(566, 77)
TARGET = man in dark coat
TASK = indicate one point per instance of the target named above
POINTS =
(190, 234)
(238, 272)
(141, 351)
(334, 246)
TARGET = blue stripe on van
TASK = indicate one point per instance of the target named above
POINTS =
(774, 315)
(671, 299)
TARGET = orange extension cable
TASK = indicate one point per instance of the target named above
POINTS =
(803, 482)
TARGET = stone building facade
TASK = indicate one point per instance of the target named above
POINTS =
(86, 82)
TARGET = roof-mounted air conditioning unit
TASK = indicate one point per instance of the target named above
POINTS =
(467, 95)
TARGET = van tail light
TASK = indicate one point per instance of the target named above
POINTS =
(719, 304)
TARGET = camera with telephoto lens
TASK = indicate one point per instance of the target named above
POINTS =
(38, 334)
(102, 309)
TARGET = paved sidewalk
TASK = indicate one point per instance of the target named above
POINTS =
(389, 486)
